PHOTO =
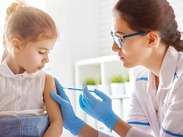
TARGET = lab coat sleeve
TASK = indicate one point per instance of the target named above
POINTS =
(134, 132)
(101, 134)
(172, 124)
(136, 116)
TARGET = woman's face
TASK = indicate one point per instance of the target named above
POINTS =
(134, 49)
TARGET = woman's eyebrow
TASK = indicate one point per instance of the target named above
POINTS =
(119, 32)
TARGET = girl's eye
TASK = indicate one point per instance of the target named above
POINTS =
(43, 52)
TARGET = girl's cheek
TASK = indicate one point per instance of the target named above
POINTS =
(33, 59)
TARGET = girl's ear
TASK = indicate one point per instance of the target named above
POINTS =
(16, 44)
(153, 38)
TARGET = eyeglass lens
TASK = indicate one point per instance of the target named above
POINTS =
(117, 40)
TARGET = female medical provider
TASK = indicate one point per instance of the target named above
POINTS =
(145, 33)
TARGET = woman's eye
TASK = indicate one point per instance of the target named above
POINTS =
(41, 52)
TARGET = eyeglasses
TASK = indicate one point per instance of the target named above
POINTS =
(119, 39)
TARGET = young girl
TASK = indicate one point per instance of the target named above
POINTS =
(30, 34)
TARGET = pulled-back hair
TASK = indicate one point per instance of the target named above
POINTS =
(28, 24)
(151, 15)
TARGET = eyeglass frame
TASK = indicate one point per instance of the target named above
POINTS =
(118, 39)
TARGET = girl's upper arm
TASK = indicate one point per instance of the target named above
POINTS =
(53, 109)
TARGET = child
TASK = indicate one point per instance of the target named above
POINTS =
(29, 35)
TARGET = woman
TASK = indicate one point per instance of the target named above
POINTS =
(145, 33)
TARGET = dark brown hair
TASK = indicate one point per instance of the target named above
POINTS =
(151, 15)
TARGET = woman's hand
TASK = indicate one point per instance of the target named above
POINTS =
(100, 109)
(70, 121)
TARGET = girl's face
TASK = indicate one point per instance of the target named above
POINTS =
(34, 55)
(134, 49)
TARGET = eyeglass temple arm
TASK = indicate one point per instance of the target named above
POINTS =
(134, 34)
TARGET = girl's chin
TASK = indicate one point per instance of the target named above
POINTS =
(33, 71)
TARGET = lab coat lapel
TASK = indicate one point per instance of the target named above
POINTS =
(153, 119)
(168, 69)
(167, 75)
(166, 81)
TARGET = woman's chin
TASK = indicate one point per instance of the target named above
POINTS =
(127, 65)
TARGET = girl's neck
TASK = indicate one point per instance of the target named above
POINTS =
(12, 64)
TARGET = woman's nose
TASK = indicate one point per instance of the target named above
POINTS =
(115, 48)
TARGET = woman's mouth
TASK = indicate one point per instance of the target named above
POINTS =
(121, 58)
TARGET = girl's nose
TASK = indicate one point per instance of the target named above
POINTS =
(46, 59)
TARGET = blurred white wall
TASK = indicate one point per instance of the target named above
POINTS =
(77, 25)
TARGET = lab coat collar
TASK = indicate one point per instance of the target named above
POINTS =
(168, 68)
(6, 71)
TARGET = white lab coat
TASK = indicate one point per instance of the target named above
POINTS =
(158, 112)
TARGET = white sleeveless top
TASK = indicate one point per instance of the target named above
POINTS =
(22, 94)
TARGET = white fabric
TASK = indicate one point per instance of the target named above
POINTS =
(21, 94)
(135, 132)
(160, 114)
(101, 134)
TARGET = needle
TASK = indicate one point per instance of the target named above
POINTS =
(78, 89)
